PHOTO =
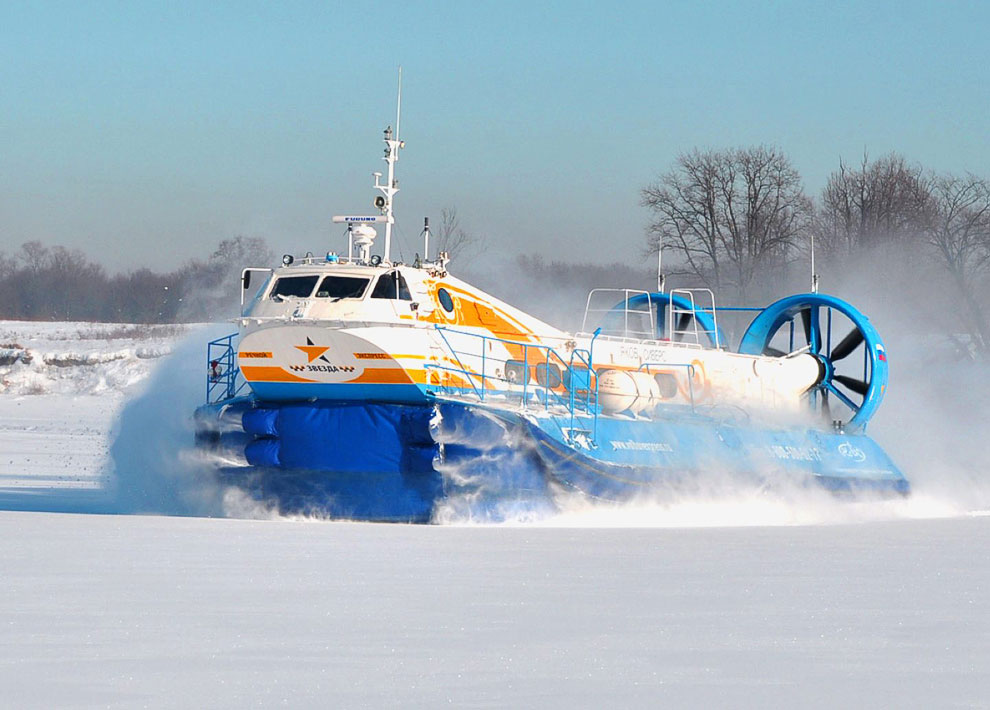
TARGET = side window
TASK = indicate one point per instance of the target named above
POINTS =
(392, 285)
(515, 371)
(548, 376)
(404, 294)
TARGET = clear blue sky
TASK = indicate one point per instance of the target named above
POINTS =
(145, 132)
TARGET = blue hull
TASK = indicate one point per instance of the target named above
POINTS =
(403, 462)
(635, 456)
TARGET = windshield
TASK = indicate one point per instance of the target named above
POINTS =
(338, 287)
(298, 286)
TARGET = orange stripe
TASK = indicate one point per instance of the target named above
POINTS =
(389, 376)
(253, 373)
(509, 320)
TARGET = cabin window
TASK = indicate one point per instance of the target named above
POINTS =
(338, 287)
(548, 375)
(392, 286)
(667, 384)
(515, 371)
(297, 286)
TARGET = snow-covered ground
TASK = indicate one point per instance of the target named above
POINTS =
(742, 601)
(61, 387)
(132, 611)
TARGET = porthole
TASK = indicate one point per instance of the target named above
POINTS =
(445, 300)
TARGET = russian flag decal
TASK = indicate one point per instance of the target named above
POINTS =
(881, 353)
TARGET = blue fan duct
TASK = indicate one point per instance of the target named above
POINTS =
(820, 307)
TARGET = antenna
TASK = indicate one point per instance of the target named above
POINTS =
(426, 238)
(398, 106)
(661, 279)
(814, 276)
(393, 146)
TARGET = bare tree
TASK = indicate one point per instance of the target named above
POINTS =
(883, 202)
(7, 265)
(733, 215)
(210, 290)
(452, 238)
(960, 232)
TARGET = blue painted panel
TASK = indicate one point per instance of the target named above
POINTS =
(301, 391)
(260, 421)
(263, 453)
(636, 455)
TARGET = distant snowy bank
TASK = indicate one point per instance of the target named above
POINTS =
(63, 389)
(80, 358)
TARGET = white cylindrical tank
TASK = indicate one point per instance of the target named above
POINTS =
(647, 391)
(619, 391)
(616, 391)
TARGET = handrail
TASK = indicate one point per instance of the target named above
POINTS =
(580, 361)
(246, 280)
(626, 294)
(223, 376)
(582, 382)
(481, 395)
(687, 295)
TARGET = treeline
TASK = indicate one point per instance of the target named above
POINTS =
(60, 284)
(740, 221)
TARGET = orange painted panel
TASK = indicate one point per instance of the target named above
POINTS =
(253, 373)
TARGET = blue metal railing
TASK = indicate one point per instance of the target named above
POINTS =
(223, 377)
(580, 394)
(550, 367)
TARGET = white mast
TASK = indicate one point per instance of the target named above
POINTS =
(814, 275)
(426, 238)
(661, 279)
(393, 145)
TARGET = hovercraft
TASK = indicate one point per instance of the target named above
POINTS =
(363, 388)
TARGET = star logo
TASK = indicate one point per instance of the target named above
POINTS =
(313, 351)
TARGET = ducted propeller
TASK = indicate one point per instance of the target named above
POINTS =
(858, 392)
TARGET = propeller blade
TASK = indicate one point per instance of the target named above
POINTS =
(857, 386)
(826, 409)
(848, 344)
(682, 325)
(773, 352)
(806, 320)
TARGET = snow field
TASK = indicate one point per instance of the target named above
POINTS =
(133, 611)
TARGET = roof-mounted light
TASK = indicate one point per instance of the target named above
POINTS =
(287, 259)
